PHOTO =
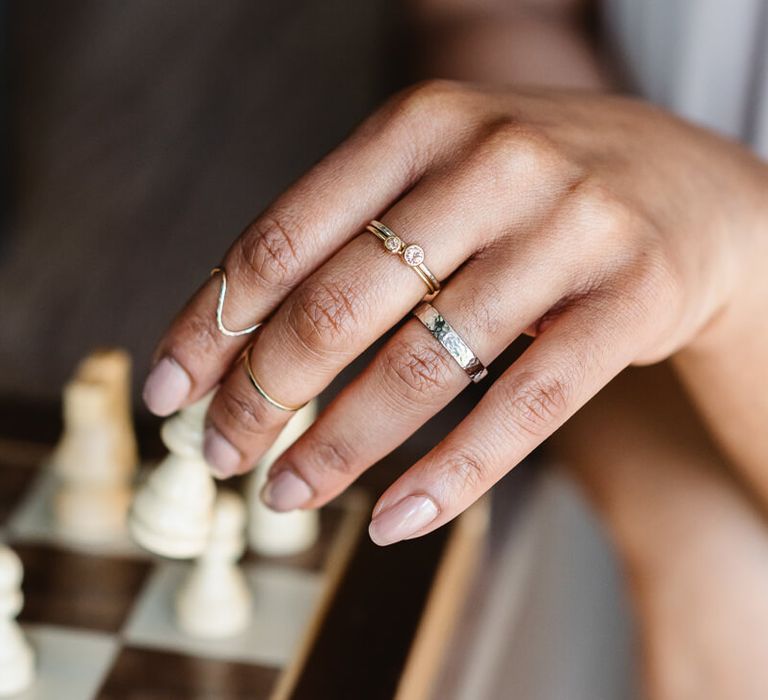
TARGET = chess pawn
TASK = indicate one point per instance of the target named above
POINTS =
(93, 466)
(281, 534)
(17, 661)
(171, 513)
(215, 600)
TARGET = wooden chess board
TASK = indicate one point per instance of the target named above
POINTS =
(344, 620)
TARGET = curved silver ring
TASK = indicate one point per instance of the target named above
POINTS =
(220, 308)
(447, 337)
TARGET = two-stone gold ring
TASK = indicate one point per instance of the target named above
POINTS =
(412, 254)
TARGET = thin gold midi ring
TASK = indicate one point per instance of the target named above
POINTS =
(412, 254)
(260, 389)
(220, 308)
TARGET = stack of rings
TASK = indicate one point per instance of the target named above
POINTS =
(430, 317)
(412, 254)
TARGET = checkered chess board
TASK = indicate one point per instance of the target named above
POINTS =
(337, 621)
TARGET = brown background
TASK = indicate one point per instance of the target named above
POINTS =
(144, 136)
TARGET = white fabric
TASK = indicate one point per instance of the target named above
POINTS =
(707, 60)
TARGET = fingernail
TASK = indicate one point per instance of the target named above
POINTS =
(222, 456)
(286, 491)
(166, 388)
(402, 520)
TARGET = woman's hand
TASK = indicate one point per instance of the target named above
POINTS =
(612, 232)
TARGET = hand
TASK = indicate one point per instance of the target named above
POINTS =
(609, 230)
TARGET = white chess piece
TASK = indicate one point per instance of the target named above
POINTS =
(93, 463)
(215, 600)
(112, 368)
(281, 534)
(171, 513)
(17, 660)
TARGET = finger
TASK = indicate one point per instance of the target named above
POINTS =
(300, 230)
(563, 368)
(363, 291)
(489, 302)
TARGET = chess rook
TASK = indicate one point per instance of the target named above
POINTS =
(215, 601)
(17, 662)
(281, 534)
(171, 513)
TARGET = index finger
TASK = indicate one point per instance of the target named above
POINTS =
(296, 234)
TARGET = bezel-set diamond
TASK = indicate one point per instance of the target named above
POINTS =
(393, 244)
(413, 255)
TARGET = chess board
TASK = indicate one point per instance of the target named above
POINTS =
(344, 620)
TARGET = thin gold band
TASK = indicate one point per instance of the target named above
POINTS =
(260, 389)
(411, 254)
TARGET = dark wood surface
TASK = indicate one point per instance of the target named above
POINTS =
(65, 588)
(150, 674)
(363, 646)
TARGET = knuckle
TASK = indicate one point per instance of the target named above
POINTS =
(328, 456)
(603, 204)
(511, 147)
(652, 281)
(249, 417)
(415, 368)
(202, 335)
(469, 469)
(269, 249)
(535, 404)
(324, 313)
(424, 99)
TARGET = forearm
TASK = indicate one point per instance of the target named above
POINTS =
(511, 43)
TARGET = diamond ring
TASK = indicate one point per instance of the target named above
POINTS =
(412, 254)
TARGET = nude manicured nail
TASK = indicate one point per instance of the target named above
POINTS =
(286, 491)
(222, 456)
(402, 520)
(166, 388)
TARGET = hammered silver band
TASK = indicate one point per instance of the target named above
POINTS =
(411, 254)
(447, 337)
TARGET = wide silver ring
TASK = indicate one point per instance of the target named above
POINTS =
(445, 334)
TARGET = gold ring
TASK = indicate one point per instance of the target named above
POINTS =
(220, 308)
(412, 254)
(260, 389)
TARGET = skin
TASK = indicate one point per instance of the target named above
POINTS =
(594, 222)
(692, 539)
(606, 195)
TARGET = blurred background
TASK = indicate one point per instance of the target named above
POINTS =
(142, 137)
(139, 138)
